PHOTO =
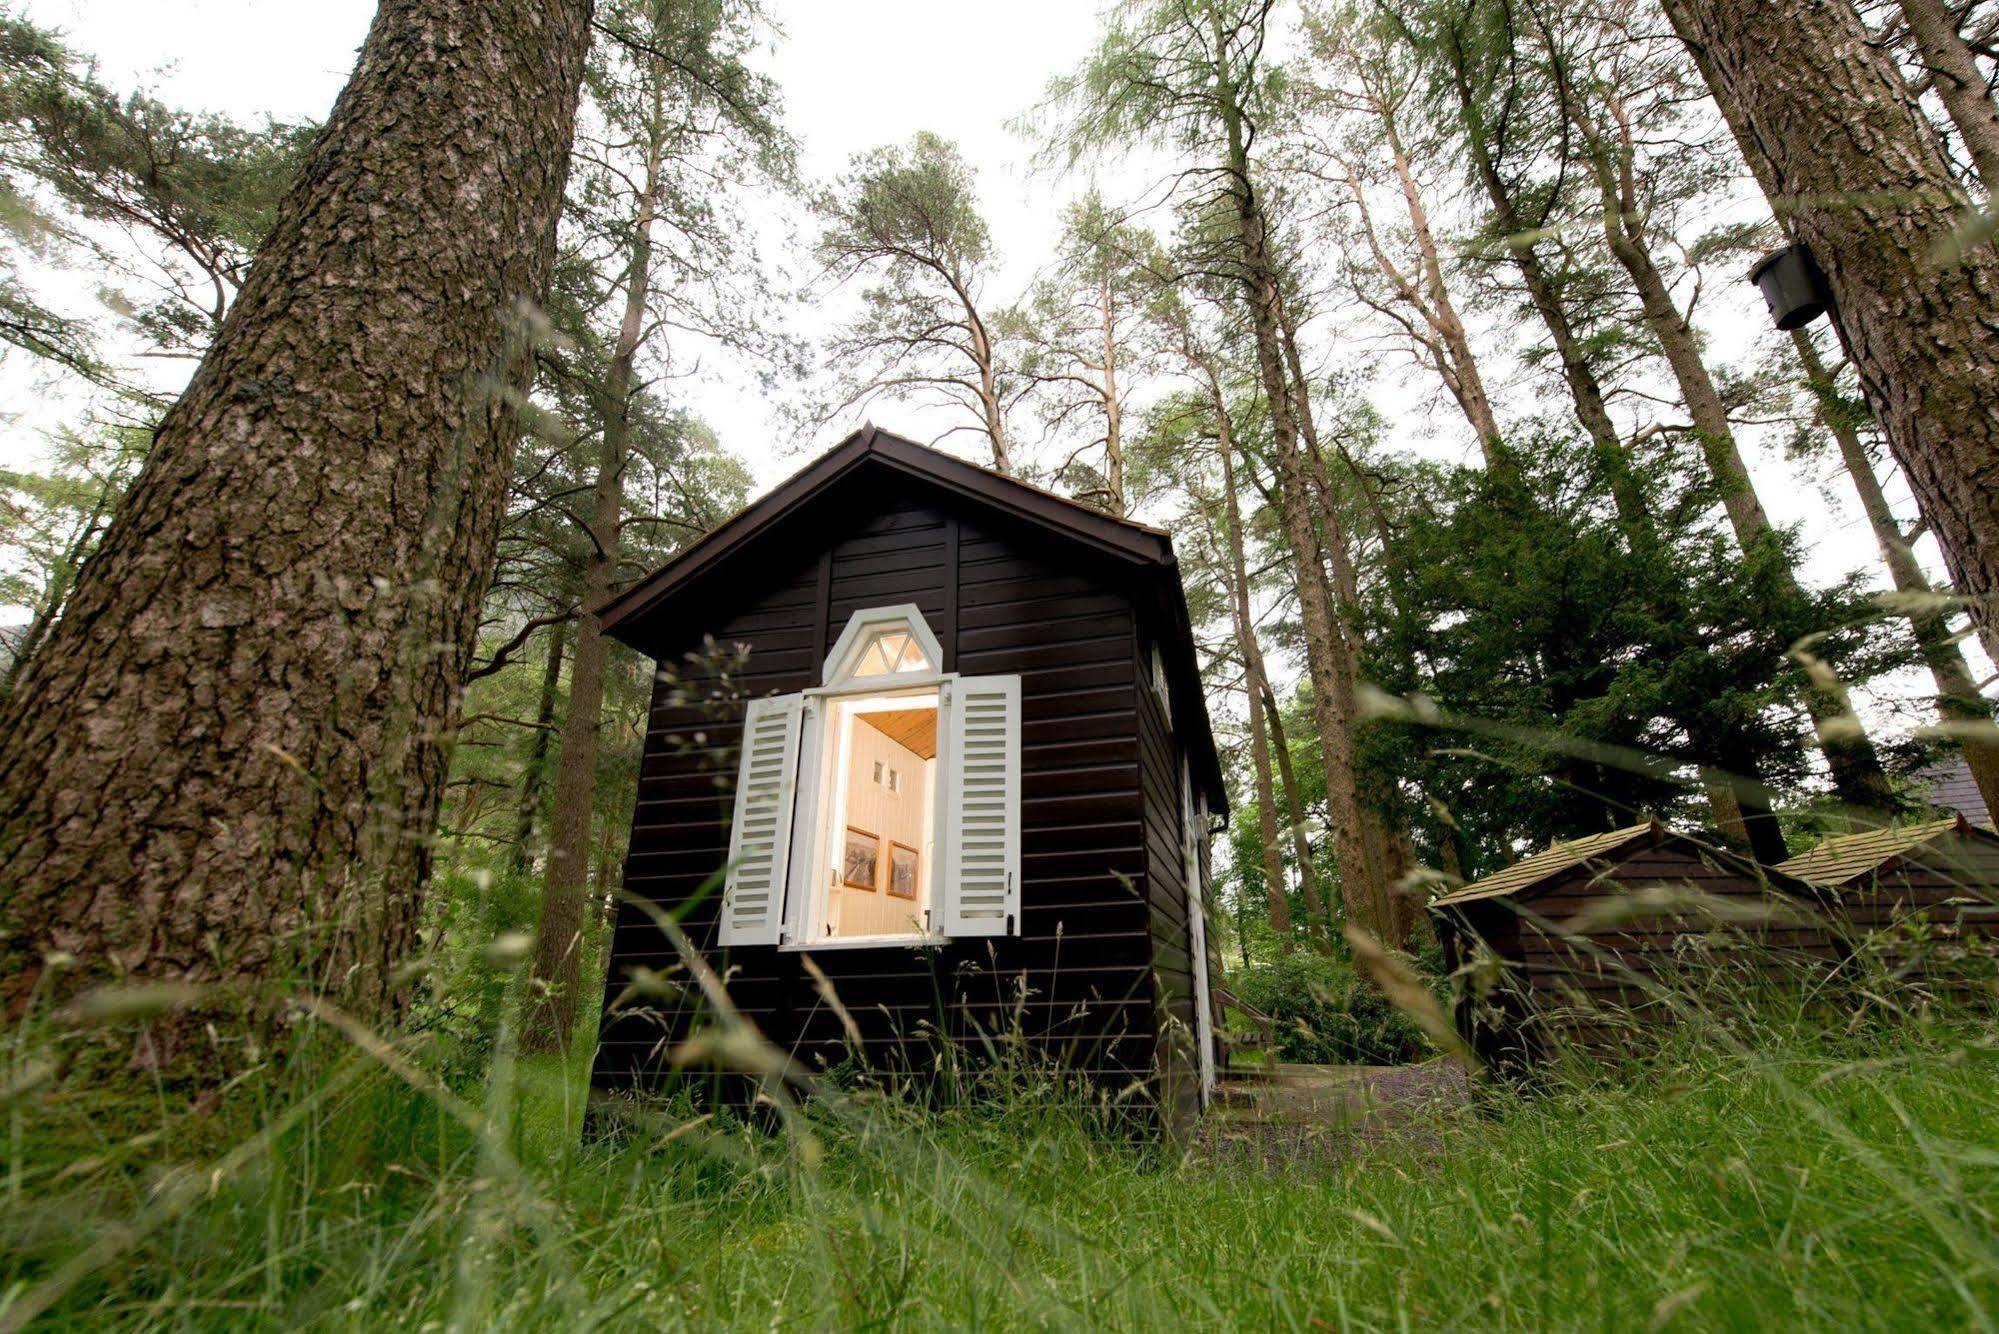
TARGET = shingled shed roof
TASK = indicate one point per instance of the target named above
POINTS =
(1531, 871)
(1838, 861)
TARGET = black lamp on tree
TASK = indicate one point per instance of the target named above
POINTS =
(1793, 287)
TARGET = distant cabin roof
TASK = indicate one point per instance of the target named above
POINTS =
(1531, 871)
(1952, 787)
(1847, 857)
(1148, 550)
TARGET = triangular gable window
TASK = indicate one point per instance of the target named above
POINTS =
(884, 642)
(892, 652)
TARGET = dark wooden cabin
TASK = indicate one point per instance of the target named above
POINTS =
(1936, 883)
(1576, 934)
(941, 733)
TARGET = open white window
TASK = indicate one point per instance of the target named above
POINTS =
(900, 786)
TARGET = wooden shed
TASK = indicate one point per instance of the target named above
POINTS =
(940, 733)
(1577, 932)
(1937, 882)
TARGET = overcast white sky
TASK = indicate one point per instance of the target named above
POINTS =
(855, 73)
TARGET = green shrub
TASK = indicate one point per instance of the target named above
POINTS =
(1325, 1014)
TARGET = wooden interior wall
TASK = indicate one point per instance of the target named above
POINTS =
(1002, 600)
(889, 816)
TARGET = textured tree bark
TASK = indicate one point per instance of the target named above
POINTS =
(1294, 815)
(1960, 85)
(1113, 404)
(987, 361)
(1728, 815)
(223, 768)
(555, 970)
(1331, 669)
(1451, 349)
(1274, 889)
(1964, 712)
(535, 772)
(1856, 770)
(1854, 171)
(1346, 591)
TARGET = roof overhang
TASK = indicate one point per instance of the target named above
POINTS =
(1145, 550)
(1533, 875)
(872, 447)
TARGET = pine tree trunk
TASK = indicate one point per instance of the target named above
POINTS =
(1964, 712)
(224, 767)
(1294, 813)
(1857, 775)
(1959, 84)
(1854, 172)
(1346, 590)
(535, 772)
(1728, 814)
(1113, 404)
(1585, 390)
(1463, 379)
(555, 970)
(1333, 703)
(986, 360)
(1252, 669)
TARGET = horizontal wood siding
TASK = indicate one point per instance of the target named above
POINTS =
(1166, 896)
(1077, 981)
(1582, 965)
(1932, 916)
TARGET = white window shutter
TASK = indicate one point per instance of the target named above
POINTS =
(981, 893)
(760, 835)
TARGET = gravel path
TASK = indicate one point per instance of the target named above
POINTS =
(1300, 1113)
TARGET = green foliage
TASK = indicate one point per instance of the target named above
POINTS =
(906, 218)
(1325, 1014)
(51, 520)
(162, 205)
(1575, 676)
(481, 923)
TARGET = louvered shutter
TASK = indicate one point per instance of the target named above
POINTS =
(760, 835)
(981, 891)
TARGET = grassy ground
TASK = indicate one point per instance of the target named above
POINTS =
(1841, 1181)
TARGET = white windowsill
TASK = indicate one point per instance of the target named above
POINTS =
(903, 939)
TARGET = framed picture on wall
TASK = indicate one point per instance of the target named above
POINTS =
(901, 870)
(860, 868)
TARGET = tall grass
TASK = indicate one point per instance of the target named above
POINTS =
(1810, 1174)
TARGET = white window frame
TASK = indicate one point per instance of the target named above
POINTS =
(811, 831)
(861, 626)
(808, 852)
(805, 900)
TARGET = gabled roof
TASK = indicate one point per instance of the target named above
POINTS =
(1952, 787)
(1148, 551)
(1837, 861)
(1531, 871)
(870, 446)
